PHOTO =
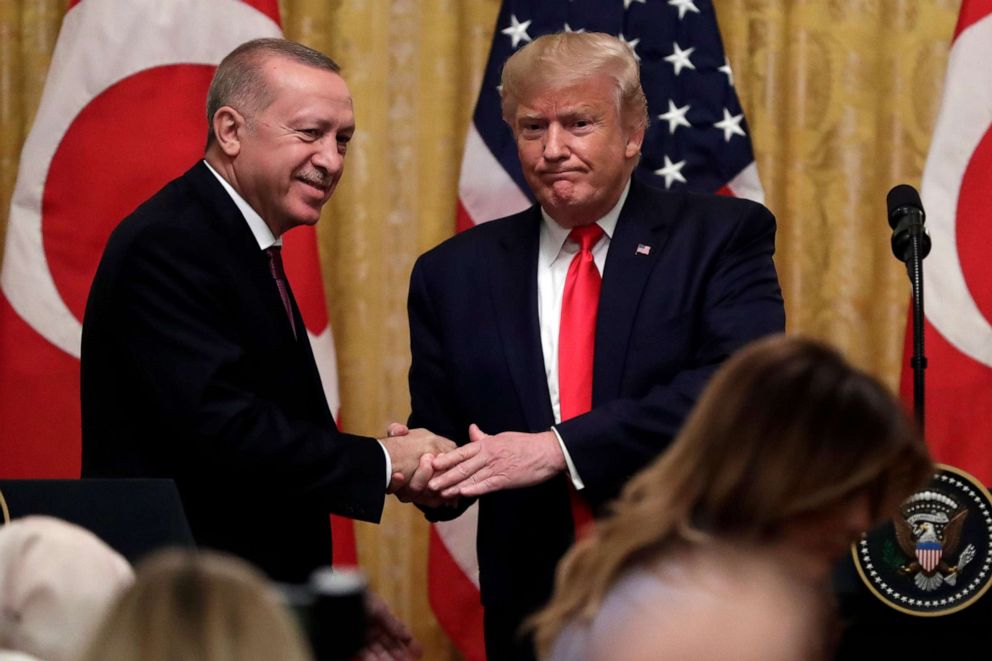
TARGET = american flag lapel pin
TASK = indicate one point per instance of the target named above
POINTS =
(642, 249)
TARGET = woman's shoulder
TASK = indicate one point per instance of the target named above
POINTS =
(676, 602)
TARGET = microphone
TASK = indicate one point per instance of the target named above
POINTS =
(906, 219)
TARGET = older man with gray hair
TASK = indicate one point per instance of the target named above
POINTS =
(563, 346)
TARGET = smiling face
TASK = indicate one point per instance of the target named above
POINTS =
(286, 159)
(575, 150)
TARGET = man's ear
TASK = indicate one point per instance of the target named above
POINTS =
(229, 127)
(635, 138)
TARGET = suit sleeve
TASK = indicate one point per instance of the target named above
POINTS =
(741, 300)
(431, 399)
(172, 320)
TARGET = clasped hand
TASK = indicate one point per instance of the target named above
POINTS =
(488, 463)
(412, 452)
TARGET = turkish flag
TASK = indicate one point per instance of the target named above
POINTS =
(958, 273)
(122, 113)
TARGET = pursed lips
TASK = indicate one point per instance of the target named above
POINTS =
(558, 174)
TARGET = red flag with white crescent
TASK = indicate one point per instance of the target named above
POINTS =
(958, 273)
(123, 112)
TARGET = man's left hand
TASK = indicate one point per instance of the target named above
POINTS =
(492, 463)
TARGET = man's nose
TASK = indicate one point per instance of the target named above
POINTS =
(555, 144)
(328, 157)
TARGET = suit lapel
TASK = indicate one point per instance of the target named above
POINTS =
(309, 361)
(636, 244)
(513, 279)
(253, 269)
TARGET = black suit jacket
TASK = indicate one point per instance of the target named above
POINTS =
(190, 370)
(667, 319)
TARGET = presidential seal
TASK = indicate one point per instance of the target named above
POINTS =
(933, 557)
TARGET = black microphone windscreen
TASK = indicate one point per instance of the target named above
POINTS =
(902, 196)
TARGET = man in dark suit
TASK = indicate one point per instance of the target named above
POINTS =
(195, 360)
(504, 341)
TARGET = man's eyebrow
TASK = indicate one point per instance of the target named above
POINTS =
(526, 117)
(581, 109)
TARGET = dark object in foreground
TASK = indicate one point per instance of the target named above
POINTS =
(330, 608)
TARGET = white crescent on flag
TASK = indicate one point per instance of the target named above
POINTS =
(958, 273)
(86, 62)
(965, 118)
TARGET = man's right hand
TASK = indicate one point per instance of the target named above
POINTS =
(406, 449)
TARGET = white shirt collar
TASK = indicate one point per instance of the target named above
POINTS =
(259, 229)
(553, 235)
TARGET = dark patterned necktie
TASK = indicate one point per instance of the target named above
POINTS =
(279, 275)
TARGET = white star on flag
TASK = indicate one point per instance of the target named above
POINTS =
(628, 3)
(671, 172)
(675, 117)
(730, 125)
(568, 28)
(727, 70)
(680, 58)
(517, 30)
(632, 44)
(684, 6)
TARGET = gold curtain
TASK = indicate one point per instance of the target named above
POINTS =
(840, 95)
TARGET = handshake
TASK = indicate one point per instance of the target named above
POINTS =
(432, 471)
(412, 453)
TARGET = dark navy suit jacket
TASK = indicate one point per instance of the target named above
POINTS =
(190, 370)
(702, 285)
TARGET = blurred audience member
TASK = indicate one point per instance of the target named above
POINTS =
(56, 582)
(198, 606)
(789, 456)
(717, 603)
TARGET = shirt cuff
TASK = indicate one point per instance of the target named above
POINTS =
(389, 462)
(573, 474)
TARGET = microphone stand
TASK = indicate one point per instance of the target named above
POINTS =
(919, 246)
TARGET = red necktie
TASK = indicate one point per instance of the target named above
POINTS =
(279, 275)
(576, 342)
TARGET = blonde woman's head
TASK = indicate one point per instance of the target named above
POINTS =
(199, 606)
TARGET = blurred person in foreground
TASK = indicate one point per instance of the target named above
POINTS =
(210, 606)
(202, 606)
(563, 346)
(790, 455)
(56, 582)
(195, 360)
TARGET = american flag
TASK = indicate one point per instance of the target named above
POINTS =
(929, 554)
(697, 140)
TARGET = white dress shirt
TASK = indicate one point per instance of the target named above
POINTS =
(555, 253)
(263, 235)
